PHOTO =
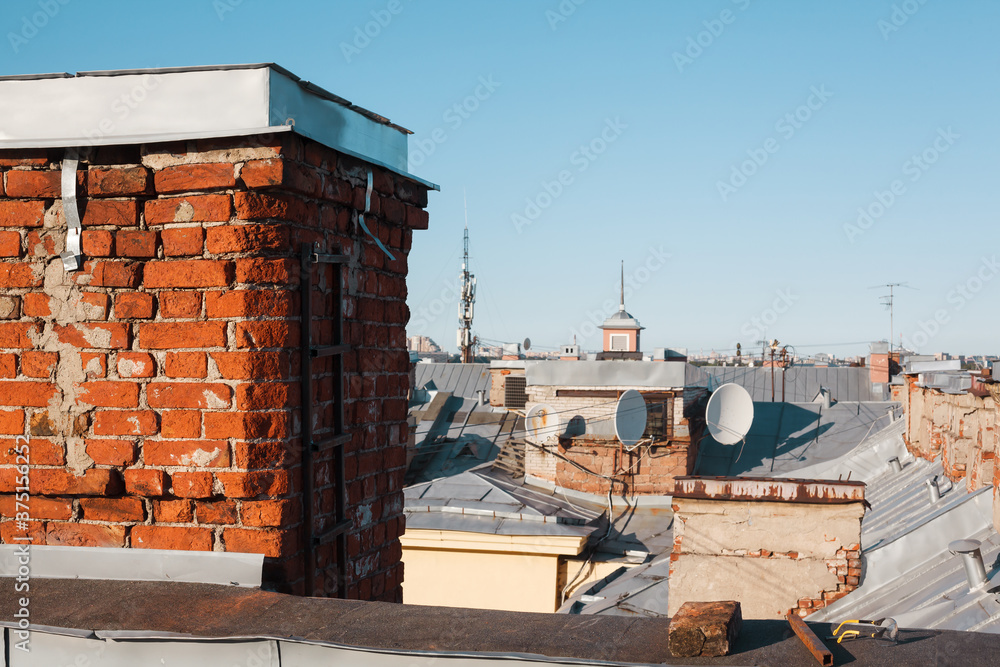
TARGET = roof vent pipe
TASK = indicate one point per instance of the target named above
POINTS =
(824, 397)
(972, 559)
(482, 396)
(895, 464)
(892, 415)
(932, 489)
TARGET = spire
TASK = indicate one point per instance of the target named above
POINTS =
(622, 306)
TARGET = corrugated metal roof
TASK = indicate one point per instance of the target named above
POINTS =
(802, 383)
(786, 438)
(460, 379)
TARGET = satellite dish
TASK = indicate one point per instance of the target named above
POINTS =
(542, 421)
(577, 426)
(526, 344)
(630, 418)
(729, 414)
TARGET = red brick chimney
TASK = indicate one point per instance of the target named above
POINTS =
(160, 387)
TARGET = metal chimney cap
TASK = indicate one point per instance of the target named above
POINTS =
(964, 546)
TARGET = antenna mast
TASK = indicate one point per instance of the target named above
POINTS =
(887, 301)
(466, 341)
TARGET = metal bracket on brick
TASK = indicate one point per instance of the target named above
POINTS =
(72, 257)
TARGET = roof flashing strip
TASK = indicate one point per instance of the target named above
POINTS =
(208, 567)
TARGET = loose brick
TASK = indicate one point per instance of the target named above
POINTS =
(41, 451)
(175, 335)
(29, 394)
(112, 452)
(291, 175)
(109, 394)
(146, 482)
(58, 509)
(180, 305)
(94, 364)
(246, 238)
(172, 511)
(188, 395)
(84, 535)
(192, 484)
(38, 364)
(246, 426)
(134, 305)
(195, 208)
(10, 244)
(251, 365)
(93, 305)
(20, 274)
(180, 424)
(133, 243)
(187, 365)
(136, 365)
(110, 212)
(188, 273)
(266, 206)
(17, 334)
(266, 334)
(11, 422)
(111, 335)
(271, 543)
(267, 396)
(115, 274)
(8, 366)
(258, 271)
(172, 537)
(21, 213)
(270, 513)
(222, 512)
(417, 218)
(112, 509)
(93, 482)
(254, 483)
(124, 422)
(182, 242)
(24, 157)
(98, 243)
(194, 177)
(117, 182)
(191, 453)
(10, 307)
(250, 303)
(35, 184)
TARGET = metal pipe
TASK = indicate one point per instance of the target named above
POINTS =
(305, 369)
(895, 464)
(932, 489)
(972, 559)
(810, 640)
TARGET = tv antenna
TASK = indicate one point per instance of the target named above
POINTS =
(466, 341)
(887, 300)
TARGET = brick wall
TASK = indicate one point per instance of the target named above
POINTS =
(595, 462)
(159, 386)
(775, 558)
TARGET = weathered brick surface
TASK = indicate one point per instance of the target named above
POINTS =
(167, 371)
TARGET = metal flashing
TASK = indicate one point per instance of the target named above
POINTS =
(115, 107)
(204, 567)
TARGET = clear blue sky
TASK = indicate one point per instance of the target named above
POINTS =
(886, 81)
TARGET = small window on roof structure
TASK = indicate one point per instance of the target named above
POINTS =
(619, 342)
(659, 416)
